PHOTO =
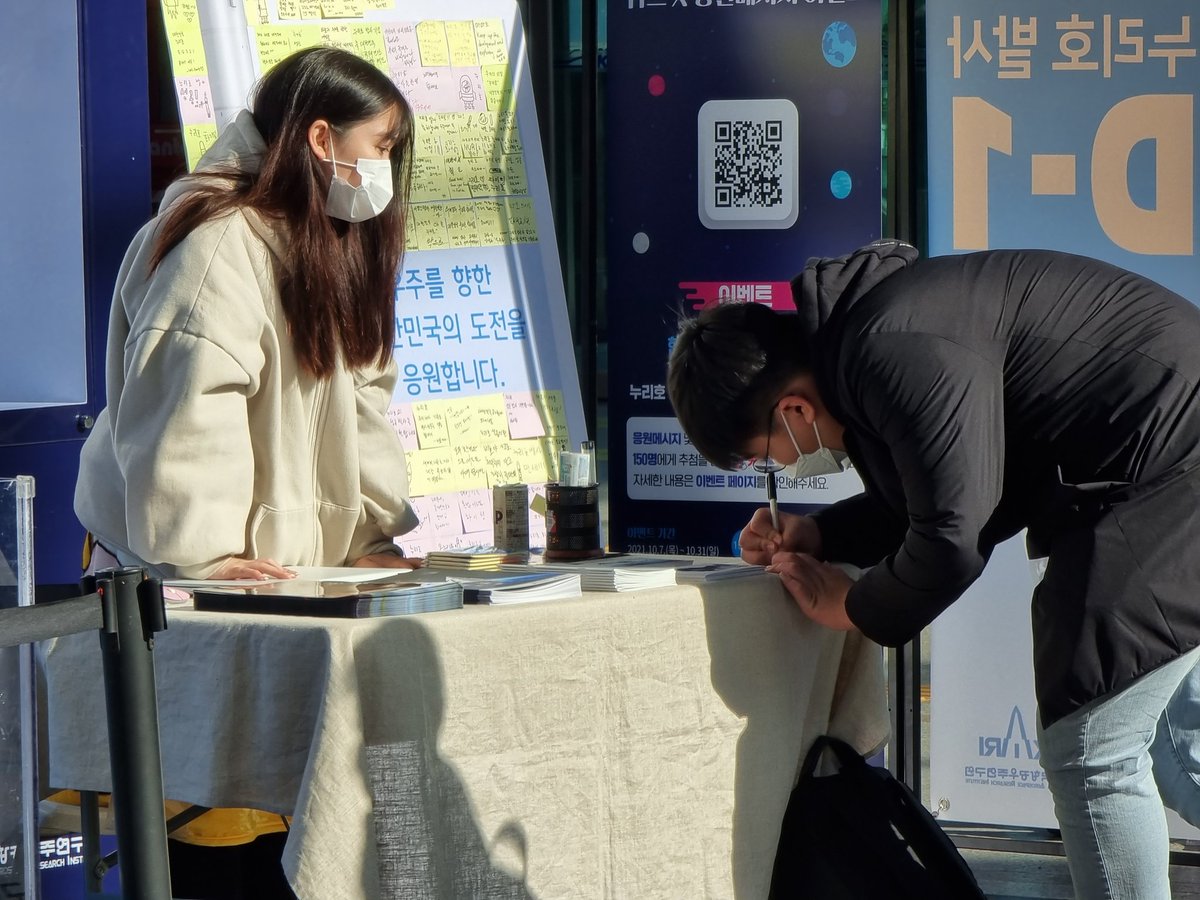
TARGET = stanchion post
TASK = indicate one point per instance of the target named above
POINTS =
(131, 616)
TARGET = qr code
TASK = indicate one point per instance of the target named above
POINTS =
(748, 163)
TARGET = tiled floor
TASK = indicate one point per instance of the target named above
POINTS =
(1024, 876)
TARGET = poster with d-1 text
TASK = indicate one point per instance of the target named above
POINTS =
(743, 138)
(1068, 126)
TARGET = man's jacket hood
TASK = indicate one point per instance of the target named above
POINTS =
(840, 282)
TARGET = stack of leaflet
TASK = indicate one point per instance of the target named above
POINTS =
(473, 558)
(518, 588)
(706, 572)
(618, 573)
(340, 599)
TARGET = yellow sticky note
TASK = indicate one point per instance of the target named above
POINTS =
(256, 12)
(458, 177)
(460, 42)
(187, 48)
(462, 421)
(429, 179)
(512, 172)
(342, 9)
(287, 9)
(460, 224)
(538, 505)
(196, 140)
(522, 221)
(491, 43)
(180, 12)
(504, 466)
(471, 467)
(490, 223)
(301, 36)
(431, 471)
(310, 9)
(477, 147)
(274, 44)
(429, 226)
(431, 40)
(505, 132)
(531, 459)
(340, 36)
(426, 140)
(497, 88)
(431, 425)
(554, 412)
(368, 43)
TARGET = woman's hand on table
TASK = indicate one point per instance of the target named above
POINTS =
(760, 541)
(388, 561)
(256, 569)
(818, 588)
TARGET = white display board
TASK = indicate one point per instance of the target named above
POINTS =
(488, 391)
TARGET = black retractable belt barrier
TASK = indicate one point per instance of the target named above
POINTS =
(127, 608)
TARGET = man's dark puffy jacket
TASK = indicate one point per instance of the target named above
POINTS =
(990, 392)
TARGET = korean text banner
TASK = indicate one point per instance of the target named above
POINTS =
(1068, 126)
(488, 393)
(743, 138)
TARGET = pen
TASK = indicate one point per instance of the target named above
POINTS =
(773, 500)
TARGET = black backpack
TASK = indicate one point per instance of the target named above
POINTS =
(862, 835)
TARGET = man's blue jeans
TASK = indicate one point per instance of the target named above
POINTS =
(1111, 766)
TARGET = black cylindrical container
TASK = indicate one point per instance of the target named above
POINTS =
(572, 522)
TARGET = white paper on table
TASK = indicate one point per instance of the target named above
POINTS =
(346, 574)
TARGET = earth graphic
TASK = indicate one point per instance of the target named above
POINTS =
(838, 44)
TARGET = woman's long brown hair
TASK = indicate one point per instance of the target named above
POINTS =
(337, 282)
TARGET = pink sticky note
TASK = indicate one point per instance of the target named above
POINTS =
(447, 520)
(476, 508)
(402, 419)
(523, 418)
(195, 100)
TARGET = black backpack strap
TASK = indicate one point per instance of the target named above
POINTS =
(846, 755)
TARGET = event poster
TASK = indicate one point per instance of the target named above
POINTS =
(488, 393)
(1072, 129)
(743, 139)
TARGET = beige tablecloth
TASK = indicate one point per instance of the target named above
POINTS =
(633, 745)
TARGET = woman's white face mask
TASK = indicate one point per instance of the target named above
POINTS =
(368, 199)
(808, 465)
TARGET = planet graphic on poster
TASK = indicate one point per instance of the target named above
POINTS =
(840, 184)
(839, 44)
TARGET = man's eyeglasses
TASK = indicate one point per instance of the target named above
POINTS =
(767, 466)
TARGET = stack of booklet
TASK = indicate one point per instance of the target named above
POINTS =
(474, 558)
(505, 587)
(705, 572)
(342, 599)
(617, 572)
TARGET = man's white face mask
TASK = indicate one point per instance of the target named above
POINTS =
(368, 199)
(808, 465)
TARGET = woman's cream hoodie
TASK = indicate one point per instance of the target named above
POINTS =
(214, 442)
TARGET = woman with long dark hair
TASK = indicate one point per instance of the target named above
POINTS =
(250, 343)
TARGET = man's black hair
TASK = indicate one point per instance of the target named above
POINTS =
(729, 367)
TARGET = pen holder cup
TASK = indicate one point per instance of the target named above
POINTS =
(572, 522)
